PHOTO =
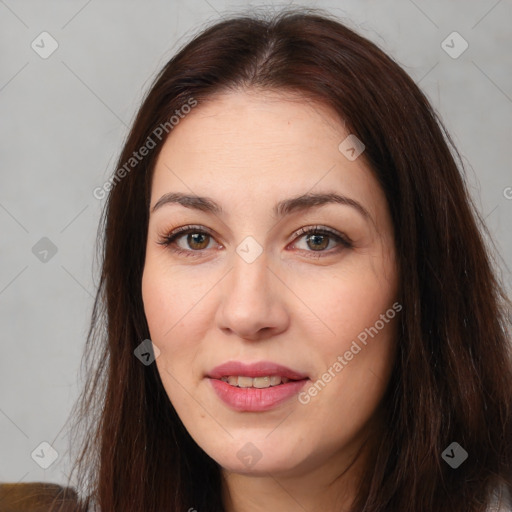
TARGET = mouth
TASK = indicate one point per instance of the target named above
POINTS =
(255, 387)
(243, 381)
(260, 369)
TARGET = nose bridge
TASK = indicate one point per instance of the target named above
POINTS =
(249, 282)
(250, 300)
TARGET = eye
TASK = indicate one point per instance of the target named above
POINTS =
(197, 240)
(316, 238)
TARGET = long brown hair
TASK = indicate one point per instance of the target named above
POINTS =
(452, 378)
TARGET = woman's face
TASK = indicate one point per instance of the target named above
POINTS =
(246, 286)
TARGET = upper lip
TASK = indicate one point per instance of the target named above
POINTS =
(257, 369)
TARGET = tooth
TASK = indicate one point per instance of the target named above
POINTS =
(275, 380)
(233, 380)
(261, 382)
(245, 382)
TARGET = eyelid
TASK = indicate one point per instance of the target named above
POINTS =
(186, 228)
(322, 230)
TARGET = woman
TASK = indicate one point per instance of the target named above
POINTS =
(296, 308)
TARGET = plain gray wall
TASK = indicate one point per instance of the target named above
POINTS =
(63, 122)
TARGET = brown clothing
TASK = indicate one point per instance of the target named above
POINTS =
(45, 497)
(37, 497)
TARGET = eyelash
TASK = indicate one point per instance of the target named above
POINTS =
(169, 239)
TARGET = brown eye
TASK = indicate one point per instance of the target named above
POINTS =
(317, 242)
(197, 240)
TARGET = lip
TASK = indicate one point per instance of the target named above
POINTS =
(258, 369)
(255, 399)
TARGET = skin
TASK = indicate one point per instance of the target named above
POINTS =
(294, 305)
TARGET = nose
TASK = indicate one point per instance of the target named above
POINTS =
(253, 301)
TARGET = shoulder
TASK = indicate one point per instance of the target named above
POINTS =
(501, 500)
(38, 497)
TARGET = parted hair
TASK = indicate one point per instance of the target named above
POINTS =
(452, 376)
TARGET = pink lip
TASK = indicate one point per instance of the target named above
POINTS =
(259, 369)
(254, 399)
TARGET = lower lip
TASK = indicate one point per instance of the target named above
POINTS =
(255, 399)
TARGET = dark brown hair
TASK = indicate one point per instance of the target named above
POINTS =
(452, 378)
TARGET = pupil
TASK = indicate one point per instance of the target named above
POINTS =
(193, 239)
(316, 238)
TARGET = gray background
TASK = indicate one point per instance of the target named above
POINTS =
(63, 122)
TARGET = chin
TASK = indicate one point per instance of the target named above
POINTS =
(256, 459)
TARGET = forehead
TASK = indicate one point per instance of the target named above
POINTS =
(249, 146)
(264, 124)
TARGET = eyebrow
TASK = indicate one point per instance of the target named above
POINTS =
(281, 209)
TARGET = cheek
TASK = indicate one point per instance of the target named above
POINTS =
(156, 303)
(176, 319)
(356, 352)
(168, 297)
(345, 397)
(162, 315)
(346, 303)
